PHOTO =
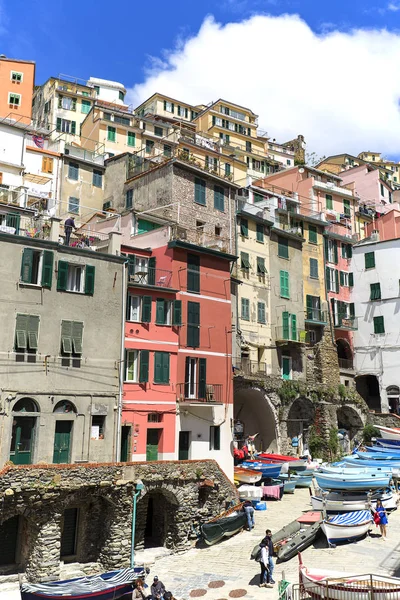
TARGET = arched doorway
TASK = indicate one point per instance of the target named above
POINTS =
(9, 535)
(25, 412)
(299, 420)
(63, 432)
(253, 414)
(368, 388)
(349, 420)
(156, 519)
(345, 355)
(393, 397)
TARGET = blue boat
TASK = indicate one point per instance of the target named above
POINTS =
(266, 469)
(379, 456)
(353, 481)
(393, 465)
(348, 469)
(383, 443)
(108, 586)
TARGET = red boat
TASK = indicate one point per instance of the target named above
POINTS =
(276, 457)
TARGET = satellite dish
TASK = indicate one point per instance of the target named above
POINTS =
(301, 170)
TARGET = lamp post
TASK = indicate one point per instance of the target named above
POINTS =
(138, 490)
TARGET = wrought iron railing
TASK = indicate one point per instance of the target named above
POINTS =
(250, 367)
(199, 392)
(316, 315)
(284, 334)
(149, 276)
(346, 363)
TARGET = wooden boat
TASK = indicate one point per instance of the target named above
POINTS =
(289, 485)
(351, 470)
(304, 480)
(266, 470)
(336, 502)
(382, 443)
(250, 492)
(226, 524)
(383, 455)
(347, 527)
(299, 541)
(108, 586)
(361, 481)
(294, 464)
(278, 457)
(357, 462)
(246, 475)
(393, 451)
(389, 433)
(336, 585)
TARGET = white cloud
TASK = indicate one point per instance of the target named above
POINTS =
(340, 90)
(394, 7)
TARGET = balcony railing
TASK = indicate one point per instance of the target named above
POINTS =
(331, 187)
(208, 393)
(346, 323)
(149, 276)
(250, 367)
(316, 315)
(346, 363)
(289, 335)
(10, 194)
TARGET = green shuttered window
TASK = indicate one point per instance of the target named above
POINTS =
(283, 248)
(219, 196)
(244, 227)
(284, 284)
(144, 366)
(261, 270)
(89, 280)
(131, 138)
(177, 312)
(26, 332)
(379, 325)
(261, 312)
(314, 268)
(375, 291)
(193, 324)
(111, 134)
(200, 191)
(146, 309)
(202, 377)
(71, 337)
(244, 261)
(193, 273)
(369, 258)
(245, 309)
(329, 201)
(161, 367)
(312, 234)
(260, 232)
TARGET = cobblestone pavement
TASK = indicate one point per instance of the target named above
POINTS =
(229, 561)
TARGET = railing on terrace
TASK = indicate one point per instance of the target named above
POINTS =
(346, 363)
(250, 367)
(289, 334)
(342, 230)
(149, 276)
(85, 155)
(357, 587)
(86, 238)
(316, 315)
(199, 392)
(345, 322)
(10, 194)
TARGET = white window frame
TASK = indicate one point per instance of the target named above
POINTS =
(218, 121)
(16, 73)
(65, 126)
(231, 126)
(168, 106)
(332, 281)
(345, 279)
(168, 312)
(73, 211)
(132, 357)
(193, 377)
(331, 252)
(66, 103)
(38, 281)
(137, 307)
(74, 283)
(14, 94)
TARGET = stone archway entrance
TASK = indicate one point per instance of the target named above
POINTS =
(368, 388)
(156, 519)
(300, 417)
(345, 355)
(349, 419)
(254, 412)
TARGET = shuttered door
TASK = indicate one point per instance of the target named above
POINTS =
(8, 537)
(193, 324)
(68, 537)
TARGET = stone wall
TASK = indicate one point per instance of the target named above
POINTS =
(103, 494)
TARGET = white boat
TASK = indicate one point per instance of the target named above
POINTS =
(352, 470)
(389, 433)
(356, 481)
(336, 585)
(336, 502)
(347, 527)
(250, 492)
(246, 475)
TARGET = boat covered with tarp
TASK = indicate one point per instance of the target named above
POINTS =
(225, 525)
(107, 586)
(347, 527)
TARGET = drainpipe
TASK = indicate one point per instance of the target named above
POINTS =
(326, 292)
(121, 366)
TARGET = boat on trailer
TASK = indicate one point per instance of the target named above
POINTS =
(347, 527)
(108, 586)
(226, 524)
(337, 585)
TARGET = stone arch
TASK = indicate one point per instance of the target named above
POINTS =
(157, 516)
(26, 404)
(26, 413)
(369, 389)
(345, 354)
(255, 413)
(64, 407)
(300, 417)
(393, 398)
(350, 419)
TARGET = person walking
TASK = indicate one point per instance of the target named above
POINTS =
(263, 560)
(268, 542)
(249, 510)
(68, 226)
(383, 520)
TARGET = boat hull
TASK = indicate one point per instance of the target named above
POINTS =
(347, 527)
(246, 475)
(266, 470)
(335, 504)
(388, 433)
(300, 540)
(382, 443)
(332, 585)
(226, 527)
(352, 482)
(250, 492)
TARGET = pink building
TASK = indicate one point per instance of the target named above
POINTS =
(387, 226)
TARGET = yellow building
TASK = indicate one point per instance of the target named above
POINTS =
(110, 129)
(390, 170)
(253, 302)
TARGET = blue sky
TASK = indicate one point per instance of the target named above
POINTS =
(328, 70)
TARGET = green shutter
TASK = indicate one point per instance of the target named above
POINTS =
(193, 324)
(111, 134)
(352, 310)
(351, 279)
(283, 248)
(349, 251)
(152, 271)
(379, 325)
(260, 232)
(58, 126)
(165, 367)
(193, 273)
(244, 227)
(326, 248)
(312, 234)
(165, 105)
(66, 337)
(77, 335)
(13, 220)
(328, 279)
(62, 276)
(314, 268)
(47, 269)
(284, 284)
(219, 196)
(89, 280)
(200, 191)
(335, 249)
(33, 331)
(369, 258)
(160, 311)
(21, 332)
(245, 309)
(293, 327)
(341, 278)
(285, 325)
(202, 378)
(26, 265)
(131, 138)
(177, 312)
(73, 127)
(309, 306)
(244, 261)
(144, 366)
(329, 202)
(261, 312)
(337, 281)
(375, 291)
(146, 309)
(158, 367)
(261, 270)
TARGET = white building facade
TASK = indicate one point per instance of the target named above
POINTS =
(376, 296)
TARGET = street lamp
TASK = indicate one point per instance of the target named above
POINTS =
(138, 490)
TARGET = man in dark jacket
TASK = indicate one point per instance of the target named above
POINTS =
(268, 542)
(157, 589)
(68, 226)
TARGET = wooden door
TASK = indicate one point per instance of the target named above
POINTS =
(125, 436)
(152, 444)
(184, 444)
(22, 440)
(62, 442)
(69, 530)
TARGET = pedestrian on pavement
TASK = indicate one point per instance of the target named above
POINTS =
(249, 510)
(268, 542)
(383, 520)
(263, 560)
(68, 226)
(157, 589)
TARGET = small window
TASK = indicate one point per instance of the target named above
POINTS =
(215, 437)
(375, 291)
(218, 231)
(71, 343)
(129, 198)
(261, 269)
(37, 267)
(379, 325)
(167, 151)
(73, 205)
(161, 367)
(284, 284)
(313, 268)
(168, 106)
(200, 191)
(346, 208)
(244, 261)
(97, 178)
(288, 162)
(369, 258)
(158, 131)
(121, 96)
(149, 146)
(96, 89)
(245, 309)
(16, 77)
(244, 227)
(75, 278)
(163, 311)
(85, 106)
(260, 232)
(26, 337)
(329, 201)
(261, 312)
(111, 134)
(219, 197)
(98, 427)
(154, 418)
(132, 365)
(312, 234)
(47, 164)
(14, 99)
(73, 171)
(134, 308)
(131, 138)
(283, 248)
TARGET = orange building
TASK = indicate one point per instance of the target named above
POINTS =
(17, 78)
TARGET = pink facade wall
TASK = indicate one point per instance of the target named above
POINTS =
(367, 184)
(387, 225)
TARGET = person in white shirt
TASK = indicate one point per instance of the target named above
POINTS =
(263, 560)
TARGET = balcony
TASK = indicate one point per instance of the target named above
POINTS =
(343, 231)
(346, 323)
(11, 194)
(286, 335)
(335, 189)
(199, 393)
(346, 364)
(250, 367)
(147, 276)
(316, 316)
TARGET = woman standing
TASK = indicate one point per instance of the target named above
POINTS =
(383, 520)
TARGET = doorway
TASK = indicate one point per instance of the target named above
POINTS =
(22, 440)
(184, 445)
(125, 436)
(153, 436)
(62, 442)
(286, 367)
(69, 532)
(9, 538)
